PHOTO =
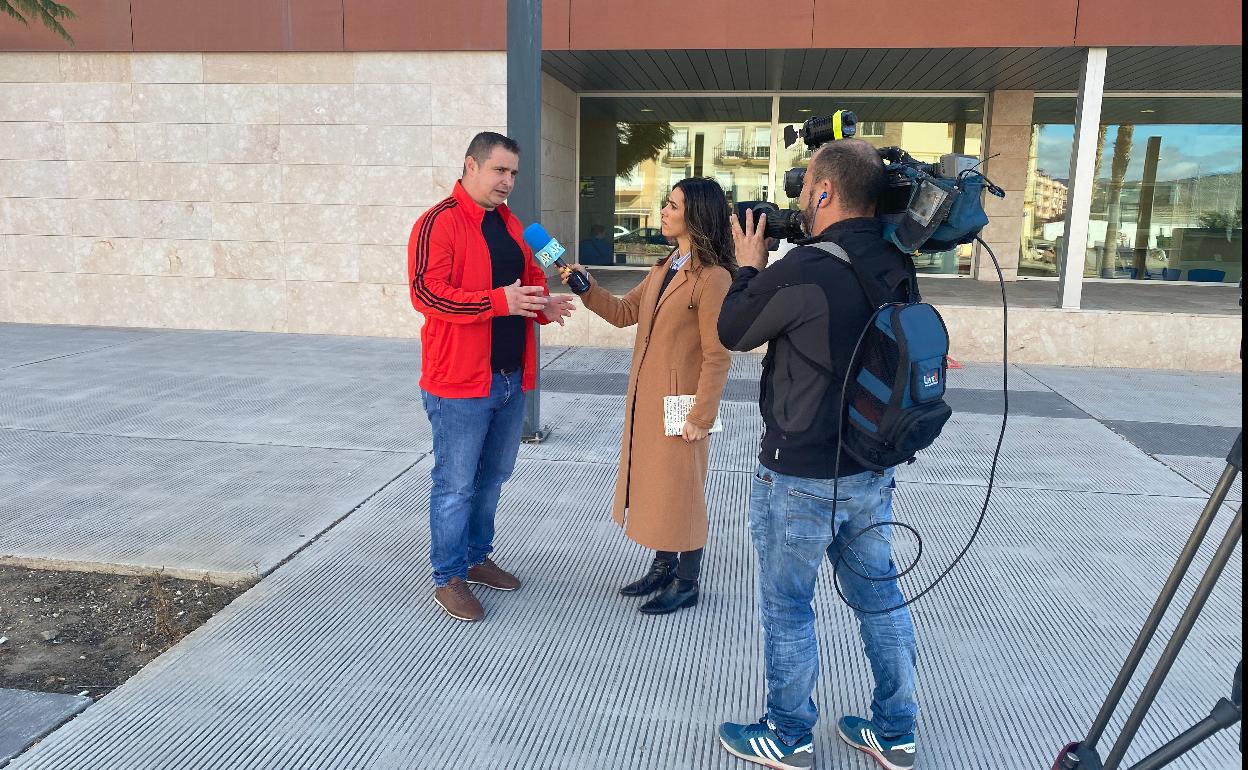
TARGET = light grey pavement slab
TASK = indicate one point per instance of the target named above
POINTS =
(1145, 395)
(233, 511)
(242, 388)
(24, 344)
(25, 717)
(340, 659)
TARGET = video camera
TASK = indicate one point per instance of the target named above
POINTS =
(926, 207)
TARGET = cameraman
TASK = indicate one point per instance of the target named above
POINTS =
(809, 309)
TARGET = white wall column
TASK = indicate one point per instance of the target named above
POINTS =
(1082, 167)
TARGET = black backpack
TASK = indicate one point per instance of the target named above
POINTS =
(892, 399)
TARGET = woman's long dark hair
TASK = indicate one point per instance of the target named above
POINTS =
(706, 217)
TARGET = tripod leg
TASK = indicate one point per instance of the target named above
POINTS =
(1216, 499)
(1224, 715)
(1171, 652)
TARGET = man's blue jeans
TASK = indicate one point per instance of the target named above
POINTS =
(793, 530)
(475, 442)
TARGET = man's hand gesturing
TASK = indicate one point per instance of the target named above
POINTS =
(525, 301)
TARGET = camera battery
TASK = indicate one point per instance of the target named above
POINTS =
(952, 163)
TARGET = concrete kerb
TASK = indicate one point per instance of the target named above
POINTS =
(228, 579)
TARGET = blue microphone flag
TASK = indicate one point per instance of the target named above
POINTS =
(546, 250)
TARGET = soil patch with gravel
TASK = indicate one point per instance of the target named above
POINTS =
(87, 632)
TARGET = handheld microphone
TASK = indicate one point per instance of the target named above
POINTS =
(549, 252)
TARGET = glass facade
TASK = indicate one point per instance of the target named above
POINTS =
(634, 149)
(1167, 202)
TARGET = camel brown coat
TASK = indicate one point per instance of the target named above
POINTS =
(660, 496)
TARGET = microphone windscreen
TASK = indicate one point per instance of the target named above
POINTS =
(536, 236)
(546, 250)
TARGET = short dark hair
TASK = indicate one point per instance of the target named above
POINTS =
(484, 143)
(854, 168)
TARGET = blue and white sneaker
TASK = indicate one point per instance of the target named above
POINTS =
(891, 753)
(759, 743)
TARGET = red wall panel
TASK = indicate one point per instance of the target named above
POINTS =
(426, 25)
(555, 27)
(1160, 22)
(442, 25)
(102, 25)
(949, 24)
(689, 24)
(237, 25)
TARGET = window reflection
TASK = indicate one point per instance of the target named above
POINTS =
(626, 176)
(1167, 200)
(634, 149)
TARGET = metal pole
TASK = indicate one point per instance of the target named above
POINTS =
(524, 124)
(1224, 716)
(1144, 220)
(1220, 558)
(1203, 523)
(1082, 162)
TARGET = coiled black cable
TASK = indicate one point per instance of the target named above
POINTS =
(992, 473)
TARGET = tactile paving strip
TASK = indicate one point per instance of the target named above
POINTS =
(341, 660)
(977, 376)
(1204, 472)
(1034, 403)
(747, 366)
(587, 428)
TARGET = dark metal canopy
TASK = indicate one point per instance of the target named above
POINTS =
(1204, 68)
(793, 109)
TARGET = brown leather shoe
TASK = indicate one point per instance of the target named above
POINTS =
(458, 601)
(490, 575)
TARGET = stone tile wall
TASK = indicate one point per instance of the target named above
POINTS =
(559, 184)
(267, 192)
(1007, 145)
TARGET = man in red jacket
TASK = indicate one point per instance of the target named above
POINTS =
(475, 281)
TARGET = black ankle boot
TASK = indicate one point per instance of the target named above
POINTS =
(662, 572)
(681, 593)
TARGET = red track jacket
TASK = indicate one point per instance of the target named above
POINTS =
(449, 270)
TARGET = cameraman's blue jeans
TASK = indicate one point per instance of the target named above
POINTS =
(475, 442)
(793, 531)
